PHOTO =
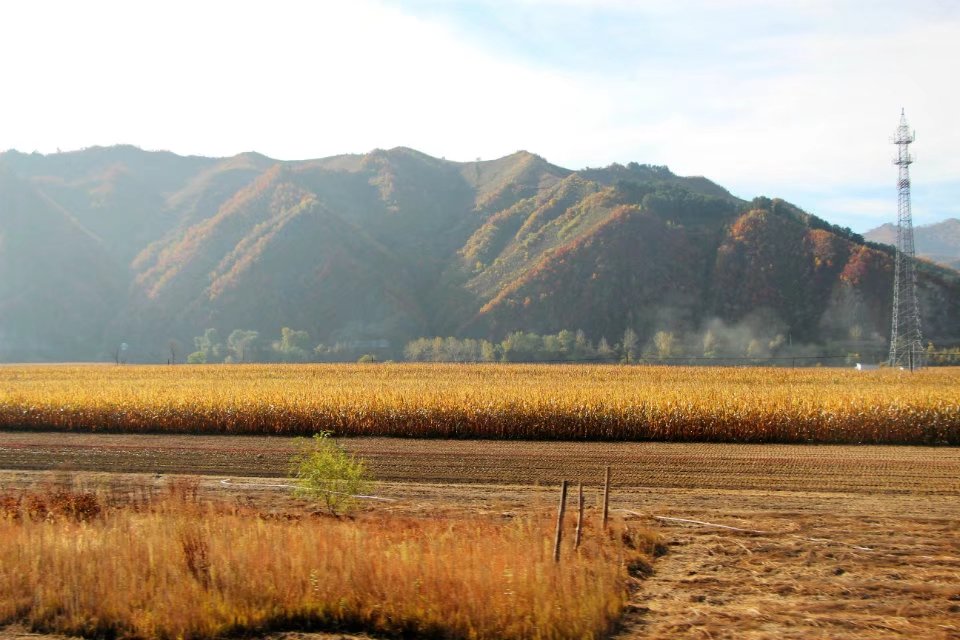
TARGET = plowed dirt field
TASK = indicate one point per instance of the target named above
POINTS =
(842, 541)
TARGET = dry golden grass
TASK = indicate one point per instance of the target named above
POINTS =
(182, 568)
(493, 401)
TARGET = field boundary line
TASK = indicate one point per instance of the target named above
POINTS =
(715, 525)
(711, 524)
(230, 483)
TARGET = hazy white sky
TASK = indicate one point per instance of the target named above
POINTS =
(796, 99)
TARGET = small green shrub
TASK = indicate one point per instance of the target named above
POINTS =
(324, 471)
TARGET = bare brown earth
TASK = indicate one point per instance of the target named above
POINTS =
(847, 541)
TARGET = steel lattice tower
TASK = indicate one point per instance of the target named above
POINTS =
(906, 342)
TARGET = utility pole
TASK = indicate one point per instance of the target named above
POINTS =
(906, 342)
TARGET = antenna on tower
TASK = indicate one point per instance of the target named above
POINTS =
(906, 342)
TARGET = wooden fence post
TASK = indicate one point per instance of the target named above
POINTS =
(576, 544)
(560, 512)
(606, 496)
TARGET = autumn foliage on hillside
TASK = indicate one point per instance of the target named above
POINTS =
(394, 245)
(630, 256)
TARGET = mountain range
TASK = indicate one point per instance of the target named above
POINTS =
(939, 242)
(113, 245)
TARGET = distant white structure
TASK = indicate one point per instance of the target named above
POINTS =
(867, 367)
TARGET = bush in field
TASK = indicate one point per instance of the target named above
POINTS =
(325, 471)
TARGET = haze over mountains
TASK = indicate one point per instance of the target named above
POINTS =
(110, 245)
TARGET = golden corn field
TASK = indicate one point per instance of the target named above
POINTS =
(535, 402)
(175, 567)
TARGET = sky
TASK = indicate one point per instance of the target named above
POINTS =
(788, 98)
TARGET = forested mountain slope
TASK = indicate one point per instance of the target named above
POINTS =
(118, 244)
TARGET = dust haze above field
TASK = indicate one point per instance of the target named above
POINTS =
(114, 245)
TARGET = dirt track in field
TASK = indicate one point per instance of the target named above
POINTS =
(856, 542)
(840, 468)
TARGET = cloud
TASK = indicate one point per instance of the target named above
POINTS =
(796, 99)
(863, 207)
(300, 80)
